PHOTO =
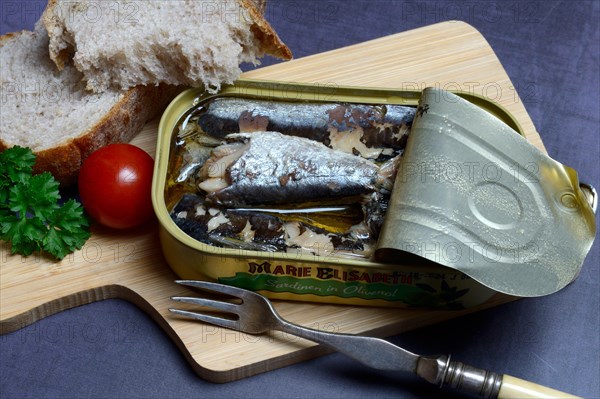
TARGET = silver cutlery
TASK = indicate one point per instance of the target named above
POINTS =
(252, 313)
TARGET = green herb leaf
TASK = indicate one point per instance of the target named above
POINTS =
(26, 235)
(16, 164)
(67, 230)
(30, 216)
(38, 195)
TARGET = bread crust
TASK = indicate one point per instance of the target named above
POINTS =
(9, 35)
(263, 31)
(120, 124)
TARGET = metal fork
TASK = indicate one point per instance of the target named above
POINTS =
(256, 315)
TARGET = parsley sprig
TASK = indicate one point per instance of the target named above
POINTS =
(31, 217)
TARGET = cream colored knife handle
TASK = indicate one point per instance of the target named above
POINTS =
(516, 388)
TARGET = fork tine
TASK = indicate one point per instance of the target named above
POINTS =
(219, 305)
(217, 321)
(207, 285)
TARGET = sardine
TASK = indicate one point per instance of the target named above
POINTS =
(374, 210)
(191, 150)
(371, 131)
(188, 160)
(265, 168)
(214, 225)
(258, 231)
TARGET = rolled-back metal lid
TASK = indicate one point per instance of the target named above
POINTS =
(474, 195)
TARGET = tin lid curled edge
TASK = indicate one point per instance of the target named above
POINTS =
(472, 194)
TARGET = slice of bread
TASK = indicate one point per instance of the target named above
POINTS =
(52, 113)
(122, 44)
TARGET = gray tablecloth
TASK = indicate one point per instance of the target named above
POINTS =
(550, 49)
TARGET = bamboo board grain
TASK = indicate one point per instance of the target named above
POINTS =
(129, 265)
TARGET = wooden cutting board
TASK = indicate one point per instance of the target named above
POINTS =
(129, 265)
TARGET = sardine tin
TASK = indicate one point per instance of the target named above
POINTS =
(302, 277)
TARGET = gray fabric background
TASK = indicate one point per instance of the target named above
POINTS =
(550, 49)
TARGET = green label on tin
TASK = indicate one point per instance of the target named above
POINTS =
(437, 290)
(319, 287)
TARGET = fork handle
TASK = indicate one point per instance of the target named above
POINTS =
(513, 388)
(373, 352)
(384, 355)
(487, 384)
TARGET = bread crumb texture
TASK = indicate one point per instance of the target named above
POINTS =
(40, 106)
(121, 44)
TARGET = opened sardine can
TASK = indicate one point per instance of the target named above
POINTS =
(292, 274)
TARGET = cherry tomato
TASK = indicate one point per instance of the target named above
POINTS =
(115, 186)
